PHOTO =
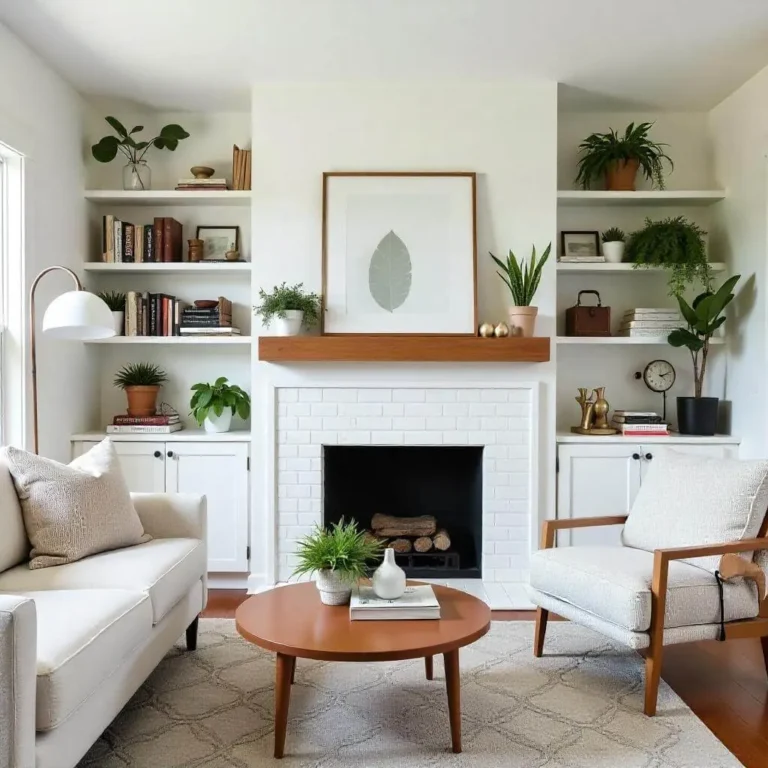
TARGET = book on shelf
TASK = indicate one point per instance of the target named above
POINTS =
(122, 420)
(241, 168)
(651, 313)
(638, 433)
(631, 419)
(126, 243)
(417, 603)
(133, 429)
(645, 428)
(646, 333)
(582, 259)
(208, 331)
(624, 412)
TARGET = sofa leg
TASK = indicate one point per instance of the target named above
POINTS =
(192, 635)
(764, 642)
(542, 616)
(652, 676)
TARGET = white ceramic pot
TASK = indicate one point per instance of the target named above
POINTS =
(214, 423)
(389, 578)
(522, 320)
(290, 325)
(333, 589)
(613, 251)
(118, 320)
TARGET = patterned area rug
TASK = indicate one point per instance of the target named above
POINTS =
(578, 706)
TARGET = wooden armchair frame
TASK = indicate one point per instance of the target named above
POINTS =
(757, 627)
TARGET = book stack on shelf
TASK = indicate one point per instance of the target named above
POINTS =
(582, 259)
(152, 314)
(123, 242)
(416, 603)
(209, 321)
(209, 185)
(639, 424)
(650, 322)
(144, 425)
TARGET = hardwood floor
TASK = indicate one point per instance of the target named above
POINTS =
(725, 684)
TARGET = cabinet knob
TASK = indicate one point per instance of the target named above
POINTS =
(170, 454)
(157, 454)
(648, 456)
(636, 456)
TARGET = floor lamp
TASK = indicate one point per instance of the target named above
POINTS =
(77, 315)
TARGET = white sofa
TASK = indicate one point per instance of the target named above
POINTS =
(77, 640)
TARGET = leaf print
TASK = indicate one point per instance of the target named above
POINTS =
(389, 273)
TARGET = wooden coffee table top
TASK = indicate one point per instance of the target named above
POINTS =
(291, 620)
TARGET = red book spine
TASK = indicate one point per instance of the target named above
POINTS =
(157, 244)
(146, 421)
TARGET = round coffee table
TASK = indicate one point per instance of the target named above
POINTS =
(292, 621)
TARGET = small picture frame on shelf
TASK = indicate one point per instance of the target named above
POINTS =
(579, 244)
(217, 240)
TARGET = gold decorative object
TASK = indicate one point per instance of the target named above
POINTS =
(232, 255)
(601, 409)
(594, 413)
(201, 171)
(486, 330)
(501, 330)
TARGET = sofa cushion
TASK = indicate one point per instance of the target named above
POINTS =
(14, 545)
(614, 584)
(83, 635)
(693, 500)
(165, 569)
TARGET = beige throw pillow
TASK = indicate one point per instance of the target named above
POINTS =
(75, 510)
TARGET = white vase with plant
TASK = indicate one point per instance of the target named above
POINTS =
(214, 405)
(522, 280)
(613, 245)
(116, 303)
(290, 308)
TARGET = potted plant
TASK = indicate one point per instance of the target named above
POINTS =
(141, 382)
(522, 280)
(116, 303)
(617, 158)
(136, 174)
(290, 307)
(339, 556)
(613, 245)
(697, 415)
(214, 405)
(675, 244)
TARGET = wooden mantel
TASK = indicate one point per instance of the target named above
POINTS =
(402, 349)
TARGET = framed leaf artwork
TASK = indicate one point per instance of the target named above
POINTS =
(399, 253)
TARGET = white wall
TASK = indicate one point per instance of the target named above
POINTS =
(40, 116)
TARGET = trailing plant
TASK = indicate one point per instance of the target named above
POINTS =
(703, 317)
(675, 244)
(522, 278)
(140, 375)
(216, 397)
(600, 150)
(114, 300)
(106, 149)
(285, 298)
(341, 548)
(614, 235)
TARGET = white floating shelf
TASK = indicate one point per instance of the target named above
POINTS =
(605, 268)
(183, 435)
(164, 268)
(673, 438)
(621, 340)
(206, 340)
(671, 197)
(168, 197)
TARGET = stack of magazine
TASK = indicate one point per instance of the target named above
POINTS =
(650, 322)
(639, 424)
(417, 603)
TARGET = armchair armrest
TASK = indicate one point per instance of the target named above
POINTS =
(706, 550)
(18, 681)
(550, 527)
(172, 515)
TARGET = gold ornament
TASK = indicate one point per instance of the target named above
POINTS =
(486, 330)
(501, 330)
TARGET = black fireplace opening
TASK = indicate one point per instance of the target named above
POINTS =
(408, 481)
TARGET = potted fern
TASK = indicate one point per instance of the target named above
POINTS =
(214, 405)
(522, 280)
(290, 307)
(141, 382)
(116, 303)
(613, 245)
(339, 557)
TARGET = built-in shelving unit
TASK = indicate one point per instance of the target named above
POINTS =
(169, 268)
(163, 197)
(667, 197)
(604, 268)
(621, 340)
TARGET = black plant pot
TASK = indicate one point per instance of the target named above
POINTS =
(697, 415)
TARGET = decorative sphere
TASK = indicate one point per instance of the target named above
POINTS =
(486, 330)
(501, 330)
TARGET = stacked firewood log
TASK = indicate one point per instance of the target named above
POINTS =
(410, 534)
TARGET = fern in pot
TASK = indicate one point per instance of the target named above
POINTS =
(289, 307)
(522, 279)
(214, 405)
(613, 245)
(116, 303)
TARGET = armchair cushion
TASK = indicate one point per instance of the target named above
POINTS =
(692, 500)
(614, 584)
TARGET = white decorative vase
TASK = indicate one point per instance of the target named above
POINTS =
(333, 589)
(613, 251)
(389, 578)
(522, 320)
(290, 325)
(118, 320)
(214, 423)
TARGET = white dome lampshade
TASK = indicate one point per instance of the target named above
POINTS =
(78, 315)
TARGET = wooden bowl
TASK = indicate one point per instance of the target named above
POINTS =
(206, 304)
(201, 171)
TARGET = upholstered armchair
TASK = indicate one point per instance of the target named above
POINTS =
(691, 565)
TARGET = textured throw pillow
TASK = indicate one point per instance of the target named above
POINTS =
(75, 510)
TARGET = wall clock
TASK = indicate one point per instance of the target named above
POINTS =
(659, 376)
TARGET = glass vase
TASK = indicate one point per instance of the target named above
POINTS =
(137, 176)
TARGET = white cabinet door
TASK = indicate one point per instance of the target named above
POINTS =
(713, 450)
(220, 472)
(596, 480)
(143, 464)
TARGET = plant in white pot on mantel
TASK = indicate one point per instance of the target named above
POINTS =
(214, 405)
(522, 279)
(290, 308)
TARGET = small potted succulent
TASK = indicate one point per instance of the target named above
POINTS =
(214, 405)
(613, 244)
(340, 557)
(290, 307)
(116, 303)
(141, 382)
(522, 280)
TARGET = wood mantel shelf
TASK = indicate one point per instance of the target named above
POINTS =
(402, 349)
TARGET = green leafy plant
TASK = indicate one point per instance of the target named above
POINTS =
(284, 298)
(675, 244)
(522, 278)
(341, 548)
(106, 149)
(218, 396)
(703, 317)
(140, 375)
(600, 150)
(613, 235)
(114, 300)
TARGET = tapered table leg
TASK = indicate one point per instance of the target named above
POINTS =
(293, 670)
(453, 686)
(428, 667)
(283, 671)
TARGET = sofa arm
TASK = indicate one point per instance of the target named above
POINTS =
(172, 515)
(18, 681)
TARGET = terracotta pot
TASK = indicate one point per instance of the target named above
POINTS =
(142, 401)
(621, 174)
(522, 320)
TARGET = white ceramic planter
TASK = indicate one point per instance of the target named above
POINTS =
(118, 319)
(613, 251)
(290, 325)
(522, 320)
(389, 578)
(332, 588)
(215, 424)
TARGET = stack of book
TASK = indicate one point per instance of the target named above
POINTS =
(241, 168)
(650, 322)
(639, 424)
(417, 603)
(123, 242)
(582, 259)
(144, 425)
(152, 314)
(198, 184)
(212, 321)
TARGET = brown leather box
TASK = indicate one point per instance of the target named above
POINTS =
(588, 321)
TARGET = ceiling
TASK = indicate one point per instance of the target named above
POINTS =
(206, 54)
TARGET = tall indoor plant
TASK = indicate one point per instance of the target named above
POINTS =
(697, 415)
(290, 307)
(214, 405)
(617, 158)
(141, 382)
(522, 279)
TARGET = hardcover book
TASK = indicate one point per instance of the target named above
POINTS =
(417, 603)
